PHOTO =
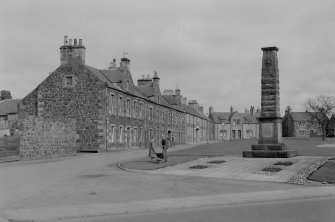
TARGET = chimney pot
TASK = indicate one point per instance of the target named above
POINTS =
(75, 41)
(70, 41)
(80, 42)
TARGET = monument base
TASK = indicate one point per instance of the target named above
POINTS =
(270, 151)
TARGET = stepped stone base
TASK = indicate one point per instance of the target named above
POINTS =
(270, 151)
(270, 154)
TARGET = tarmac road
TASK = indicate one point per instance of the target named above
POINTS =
(304, 210)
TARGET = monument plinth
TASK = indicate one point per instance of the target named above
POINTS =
(270, 123)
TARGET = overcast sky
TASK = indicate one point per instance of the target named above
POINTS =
(211, 49)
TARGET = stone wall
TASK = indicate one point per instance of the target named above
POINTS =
(46, 138)
(82, 100)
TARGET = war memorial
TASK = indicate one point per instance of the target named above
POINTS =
(270, 123)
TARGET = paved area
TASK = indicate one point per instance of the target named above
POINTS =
(327, 145)
(81, 211)
(239, 168)
(92, 184)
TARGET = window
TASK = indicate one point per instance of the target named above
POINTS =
(140, 110)
(238, 122)
(127, 85)
(120, 106)
(112, 104)
(135, 135)
(121, 134)
(128, 108)
(157, 117)
(135, 110)
(112, 134)
(150, 113)
(69, 80)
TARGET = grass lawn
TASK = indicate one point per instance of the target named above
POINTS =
(325, 173)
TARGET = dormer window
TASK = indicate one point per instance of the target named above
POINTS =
(127, 85)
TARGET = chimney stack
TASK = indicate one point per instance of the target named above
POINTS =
(211, 109)
(252, 110)
(74, 54)
(231, 109)
(66, 40)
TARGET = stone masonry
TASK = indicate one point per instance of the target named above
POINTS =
(270, 129)
(45, 138)
(110, 112)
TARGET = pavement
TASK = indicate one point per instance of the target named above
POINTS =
(91, 185)
(133, 207)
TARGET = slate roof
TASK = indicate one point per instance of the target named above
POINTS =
(147, 90)
(9, 106)
(301, 116)
(102, 76)
(220, 117)
(170, 99)
(113, 75)
(248, 118)
(194, 112)
(224, 117)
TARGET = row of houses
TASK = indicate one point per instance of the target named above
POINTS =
(110, 110)
(234, 125)
(113, 112)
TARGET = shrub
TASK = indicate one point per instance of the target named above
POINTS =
(199, 167)
(284, 163)
(272, 169)
(217, 161)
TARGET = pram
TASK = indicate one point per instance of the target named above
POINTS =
(159, 157)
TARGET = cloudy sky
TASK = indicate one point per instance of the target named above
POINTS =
(211, 49)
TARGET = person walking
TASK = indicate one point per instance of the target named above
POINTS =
(164, 147)
(152, 148)
(173, 144)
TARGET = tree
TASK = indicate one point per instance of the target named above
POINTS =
(5, 94)
(321, 109)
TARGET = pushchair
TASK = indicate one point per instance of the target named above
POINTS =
(159, 157)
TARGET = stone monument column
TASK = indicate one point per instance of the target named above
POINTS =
(270, 123)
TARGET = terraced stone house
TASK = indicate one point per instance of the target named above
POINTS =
(300, 124)
(234, 125)
(110, 110)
